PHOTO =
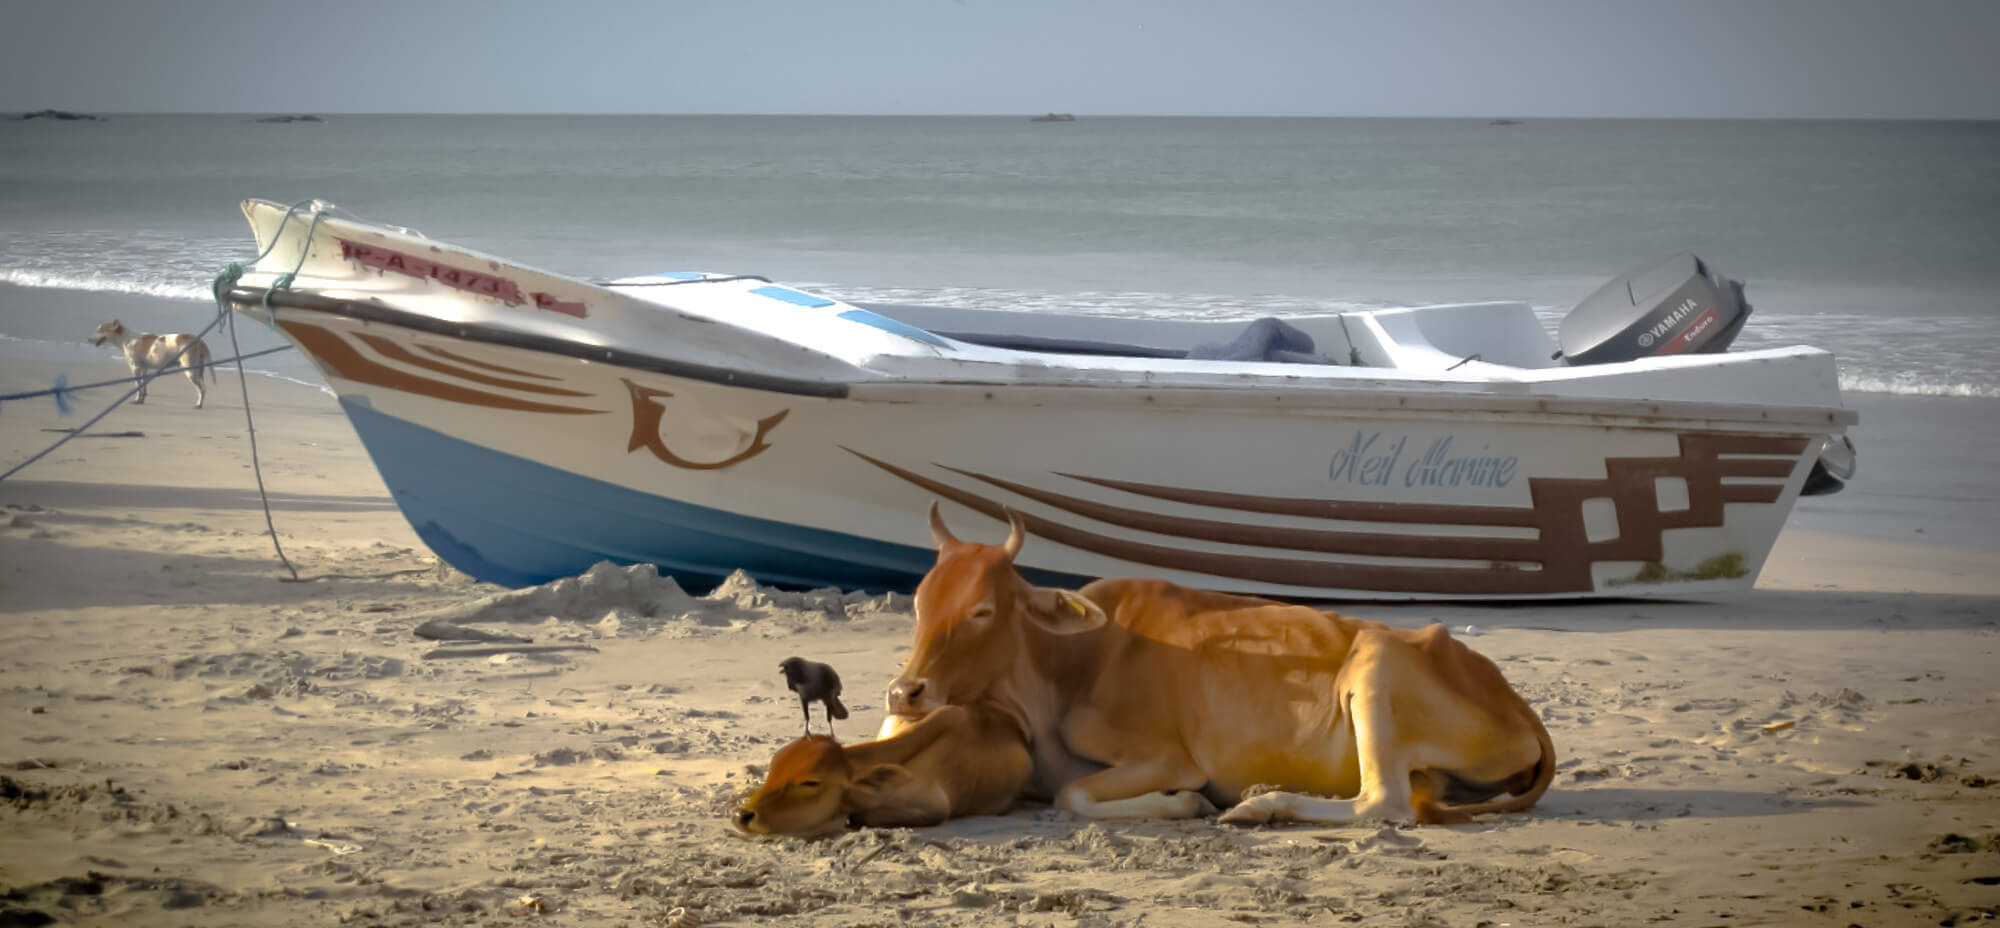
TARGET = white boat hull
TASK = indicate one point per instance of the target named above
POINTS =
(520, 459)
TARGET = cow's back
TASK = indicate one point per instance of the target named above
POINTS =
(1246, 685)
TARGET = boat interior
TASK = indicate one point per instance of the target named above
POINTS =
(1425, 338)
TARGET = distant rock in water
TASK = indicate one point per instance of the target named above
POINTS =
(1053, 117)
(305, 118)
(59, 114)
(1503, 122)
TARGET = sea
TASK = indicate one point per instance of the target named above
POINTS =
(1879, 241)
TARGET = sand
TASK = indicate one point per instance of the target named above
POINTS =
(190, 740)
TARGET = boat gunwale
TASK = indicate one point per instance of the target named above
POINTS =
(1600, 412)
(244, 298)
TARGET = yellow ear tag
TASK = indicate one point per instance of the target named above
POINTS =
(1076, 602)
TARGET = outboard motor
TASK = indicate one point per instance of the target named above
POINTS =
(1676, 306)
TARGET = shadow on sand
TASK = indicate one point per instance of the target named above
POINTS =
(1781, 610)
(1627, 804)
(69, 495)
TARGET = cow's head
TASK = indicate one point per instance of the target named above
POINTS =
(975, 614)
(113, 331)
(815, 784)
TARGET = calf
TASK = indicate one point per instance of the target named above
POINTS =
(951, 762)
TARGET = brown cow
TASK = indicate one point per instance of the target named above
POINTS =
(951, 762)
(1141, 698)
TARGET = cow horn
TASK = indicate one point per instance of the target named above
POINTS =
(1018, 534)
(939, 533)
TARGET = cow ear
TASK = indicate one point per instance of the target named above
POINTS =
(1065, 612)
(867, 789)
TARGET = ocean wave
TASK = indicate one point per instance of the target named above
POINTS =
(1138, 304)
(274, 375)
(99, 283)
(1905, 384)
(1905, 356)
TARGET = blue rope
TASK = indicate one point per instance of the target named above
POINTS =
(143, 381)
(62, 389)
(224, 282)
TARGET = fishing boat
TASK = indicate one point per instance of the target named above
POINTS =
(531, 424)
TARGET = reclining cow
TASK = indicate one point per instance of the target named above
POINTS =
(1140, 698)
(950, 763)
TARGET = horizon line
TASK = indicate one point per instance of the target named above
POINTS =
(1011, 115)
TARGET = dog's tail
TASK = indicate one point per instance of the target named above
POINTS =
(196, 362)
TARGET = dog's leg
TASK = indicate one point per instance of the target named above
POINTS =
(137, 371)
(200, 392)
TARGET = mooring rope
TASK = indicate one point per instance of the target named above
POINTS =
(223, 284)
(61, 388)
(256, 467)
(143, 381)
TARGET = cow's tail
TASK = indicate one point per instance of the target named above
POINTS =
(1545, 773)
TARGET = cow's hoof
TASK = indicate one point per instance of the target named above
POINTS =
(1187, 803)
(1257, 810)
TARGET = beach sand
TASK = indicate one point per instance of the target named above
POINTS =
(191, 740)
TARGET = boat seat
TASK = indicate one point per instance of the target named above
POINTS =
(1437, 338)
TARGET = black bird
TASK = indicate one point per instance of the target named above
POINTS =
(814, 682)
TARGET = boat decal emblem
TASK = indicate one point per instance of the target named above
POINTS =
(647, 413)
(473, 282)
(1558, 560)
(348, 363)
(550, 303)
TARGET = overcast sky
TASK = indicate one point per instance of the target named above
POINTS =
(1749, 58)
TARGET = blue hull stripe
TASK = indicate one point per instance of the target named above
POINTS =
(508, 520)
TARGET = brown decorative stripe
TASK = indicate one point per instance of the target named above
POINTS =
(1759, 444)
(390, 349)
(1345, 510)
(1563, 550)
(1631, 485)
(349, 364)
(462, 359)
(1294, 539)
(1310, 574)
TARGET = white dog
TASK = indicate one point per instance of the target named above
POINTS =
(146, 353)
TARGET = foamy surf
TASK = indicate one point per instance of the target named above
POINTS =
(1898, 355)
(101, 283)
